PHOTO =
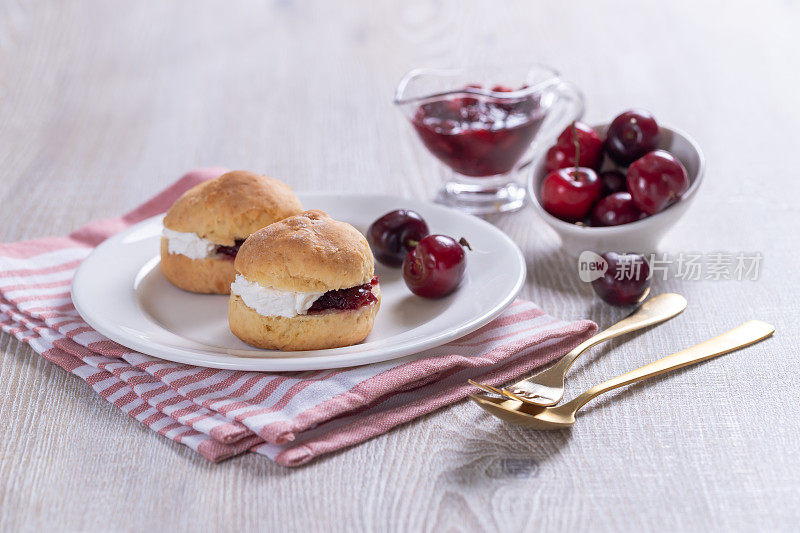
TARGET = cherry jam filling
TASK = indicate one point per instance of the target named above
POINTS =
(479, 136)
(345, 299)
(230, 251)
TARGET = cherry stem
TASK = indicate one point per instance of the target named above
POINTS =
(463, 242)
(412, 243)
(577, 148)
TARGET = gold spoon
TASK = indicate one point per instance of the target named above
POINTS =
(563, 416)
(547, 387)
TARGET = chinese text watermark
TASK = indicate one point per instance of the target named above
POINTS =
(687, 266)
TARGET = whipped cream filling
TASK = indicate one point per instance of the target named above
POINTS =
(273, 302)
(189, 244)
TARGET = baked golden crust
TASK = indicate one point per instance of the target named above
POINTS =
(232, 207)
(212, 275)
(309, 252)
(331, 329)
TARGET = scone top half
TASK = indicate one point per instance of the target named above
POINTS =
(309, 253)
(229, 208)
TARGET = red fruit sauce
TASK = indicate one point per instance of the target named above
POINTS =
(477, 135)
(345, 299)
(230, 251)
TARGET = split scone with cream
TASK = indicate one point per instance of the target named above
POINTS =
(206, 225)
(304, 283)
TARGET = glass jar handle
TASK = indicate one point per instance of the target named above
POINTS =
(567, 108)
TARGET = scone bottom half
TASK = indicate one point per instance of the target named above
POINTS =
(312, 331)
(210, 275)
(308, 253)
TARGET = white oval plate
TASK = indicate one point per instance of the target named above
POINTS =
(120, 291)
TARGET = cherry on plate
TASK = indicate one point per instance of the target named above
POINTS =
(569, 193)
(626, 281)
(394, 234)
(656, 181)
(435, 267)
(562, 154)
(631, 135)
(615, 209)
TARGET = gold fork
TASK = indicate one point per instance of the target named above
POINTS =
(547, 387)
(564, 415)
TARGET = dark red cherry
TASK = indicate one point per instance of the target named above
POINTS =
(613, 181)
(394, 234)
(590, 142)
(626, 280)
(562, 154)
(569, 194)
(631, 135)
(657, 181)
(435, 267)
(502, 89)
(559, 157)
(615, 209)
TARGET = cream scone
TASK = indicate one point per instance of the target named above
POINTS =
(304, 283)
(206, 225)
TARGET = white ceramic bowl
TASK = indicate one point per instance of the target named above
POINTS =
(642, 236)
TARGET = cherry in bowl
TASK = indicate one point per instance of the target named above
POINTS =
(435, 267)
(656, 181)
(570, 193)
(590, 146)
(613, 181)
(631, 135)
(615, 209)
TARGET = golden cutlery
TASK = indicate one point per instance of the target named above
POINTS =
(547, 387)
(564, 415)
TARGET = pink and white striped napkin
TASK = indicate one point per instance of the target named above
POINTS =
(291, 417)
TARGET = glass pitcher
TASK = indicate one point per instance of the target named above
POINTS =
(485, 123)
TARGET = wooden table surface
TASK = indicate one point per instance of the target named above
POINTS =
(104, 103)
